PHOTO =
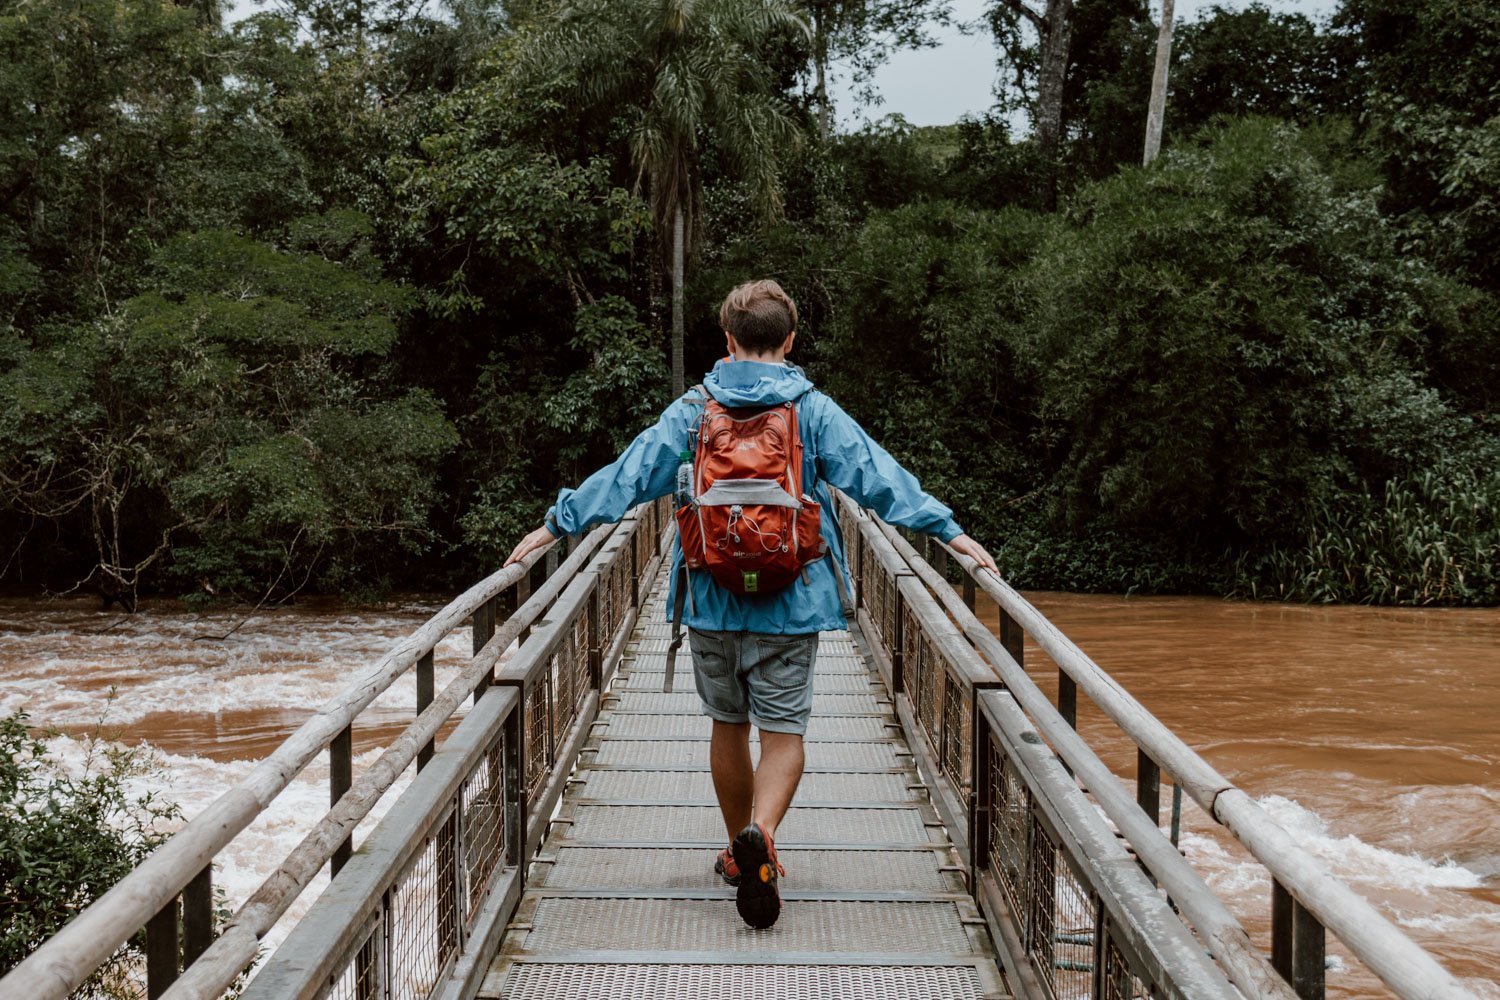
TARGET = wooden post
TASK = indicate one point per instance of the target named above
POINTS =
(856, 571)
(197, 915)
(898, 632)
(982, 797)
(161, 950)
(484, 630)
(1148, 786)
(340, 777)
(425, 690)
(1067, 698)
(1012, 637)
(484, 624)
(1309, 954)
(1281, 930)
(523, 594)
(515, 784)
(1298, 944)
(939, 558)
(969, 592)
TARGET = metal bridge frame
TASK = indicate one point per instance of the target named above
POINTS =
(422, 905)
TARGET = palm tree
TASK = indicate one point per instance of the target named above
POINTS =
(677, 71)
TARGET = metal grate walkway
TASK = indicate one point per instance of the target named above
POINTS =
(624, 902)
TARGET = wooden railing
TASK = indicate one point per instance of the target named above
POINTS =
(429, 891)
(1076, 914)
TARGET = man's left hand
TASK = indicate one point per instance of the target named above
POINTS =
(966, 546)
(538, 539)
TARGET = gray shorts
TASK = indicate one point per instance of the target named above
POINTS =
(754, 677)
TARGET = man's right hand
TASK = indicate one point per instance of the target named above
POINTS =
(538, 539)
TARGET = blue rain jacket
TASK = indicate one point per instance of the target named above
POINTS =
(836, 451)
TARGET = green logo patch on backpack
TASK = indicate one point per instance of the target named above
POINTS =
(751, 580)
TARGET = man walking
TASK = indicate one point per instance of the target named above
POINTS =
(755, 583)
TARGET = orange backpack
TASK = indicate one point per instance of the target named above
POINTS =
(749, 522)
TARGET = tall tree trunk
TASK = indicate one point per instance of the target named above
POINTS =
(1159, 84)
(1056, 32)
(820, 60)
(678, 383)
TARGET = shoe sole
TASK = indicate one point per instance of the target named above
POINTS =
(756, 897)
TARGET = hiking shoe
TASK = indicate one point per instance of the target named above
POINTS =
(725, 867)
(757, 897)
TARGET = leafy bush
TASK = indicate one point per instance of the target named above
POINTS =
(66, 837)
(1228, 340)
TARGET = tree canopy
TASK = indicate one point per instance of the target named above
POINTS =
(335, 297)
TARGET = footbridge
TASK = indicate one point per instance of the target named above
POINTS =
(953, 837)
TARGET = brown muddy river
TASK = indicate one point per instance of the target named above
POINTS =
(1369, 734)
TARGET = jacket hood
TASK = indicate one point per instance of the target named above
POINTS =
(755, 383)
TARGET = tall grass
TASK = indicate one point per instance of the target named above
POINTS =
(1428, 538)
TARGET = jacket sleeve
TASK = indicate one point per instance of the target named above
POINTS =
(645, 470)
(851, 460)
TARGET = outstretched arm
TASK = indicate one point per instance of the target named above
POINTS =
(856, 464)
(644, 471)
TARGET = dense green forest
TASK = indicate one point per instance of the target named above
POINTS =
(335, 297)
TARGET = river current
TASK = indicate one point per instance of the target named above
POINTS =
(1370, 734)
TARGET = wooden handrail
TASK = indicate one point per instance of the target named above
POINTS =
(69, 957)
(1246, 966)
(1401, 964)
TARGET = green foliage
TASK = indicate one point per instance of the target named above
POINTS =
(1192, 365)
(1249, 61)
(1424, 75)
(230, 417)
(1229, 338)
(66, 836)
(1429, 537)
(339, 295)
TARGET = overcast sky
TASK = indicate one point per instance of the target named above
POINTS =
(938, 86)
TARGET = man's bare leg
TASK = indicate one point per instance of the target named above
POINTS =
(776, 779)
(734, 776)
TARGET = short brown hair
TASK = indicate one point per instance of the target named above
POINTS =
(759, 315)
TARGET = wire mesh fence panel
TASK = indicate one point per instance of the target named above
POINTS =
(935, 669)
(1041, 909)
(883, 605)
(1011, 821)
(561, 670)
(1117, 981)
(958, 737)
(849, 529)
(911, 657)
(538, 756)
(645, 544)
(360, 977)
(422, 925)
(583, 641)
(482, 804)
(1073, 935)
